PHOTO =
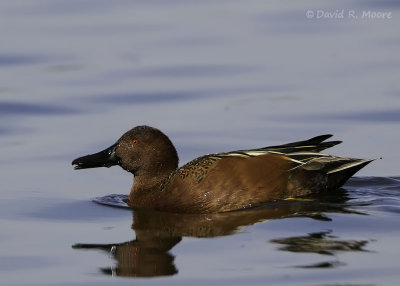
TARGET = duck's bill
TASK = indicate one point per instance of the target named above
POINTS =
(105, 158)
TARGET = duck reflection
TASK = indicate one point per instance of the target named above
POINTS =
(158, 232)
(321, 243)
(146, 256)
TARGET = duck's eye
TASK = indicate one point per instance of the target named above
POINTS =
(134, 141)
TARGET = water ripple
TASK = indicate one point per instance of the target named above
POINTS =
(186, 71)
(13, 60)
(17, 108)
(361, 195)
(179, 95)
(384, 116)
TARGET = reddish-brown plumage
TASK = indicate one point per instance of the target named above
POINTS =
(227, 184)
(234, 183)
(224, 181)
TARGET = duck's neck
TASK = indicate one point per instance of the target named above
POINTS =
(146, 187)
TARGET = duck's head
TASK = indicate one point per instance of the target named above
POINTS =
(141, 150)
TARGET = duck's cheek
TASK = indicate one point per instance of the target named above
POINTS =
(128, 167)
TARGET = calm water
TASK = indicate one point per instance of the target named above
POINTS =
(214, 76)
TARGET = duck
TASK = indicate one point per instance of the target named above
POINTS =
(221, 182)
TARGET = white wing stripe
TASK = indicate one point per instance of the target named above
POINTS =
(346, 166)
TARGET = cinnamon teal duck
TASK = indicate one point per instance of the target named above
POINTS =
(221, 182)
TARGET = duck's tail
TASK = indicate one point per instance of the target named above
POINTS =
(341, 171)
(325, 172)
(318, 171)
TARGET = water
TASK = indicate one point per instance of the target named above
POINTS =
(215, 77)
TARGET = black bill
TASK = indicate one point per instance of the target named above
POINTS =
(105, 158)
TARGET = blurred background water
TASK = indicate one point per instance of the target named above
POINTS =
(214, 76)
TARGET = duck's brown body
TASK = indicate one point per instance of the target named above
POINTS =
(211, 184)
(224, 181)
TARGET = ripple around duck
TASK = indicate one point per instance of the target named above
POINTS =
(381, 194)
(113, 200)
(362, 193)
(374, 181)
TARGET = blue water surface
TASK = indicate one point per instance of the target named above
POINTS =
(215, 76)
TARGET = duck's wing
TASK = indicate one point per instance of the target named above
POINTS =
(306, 159)
(248, 177)
(315, 144)
(300, 150)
